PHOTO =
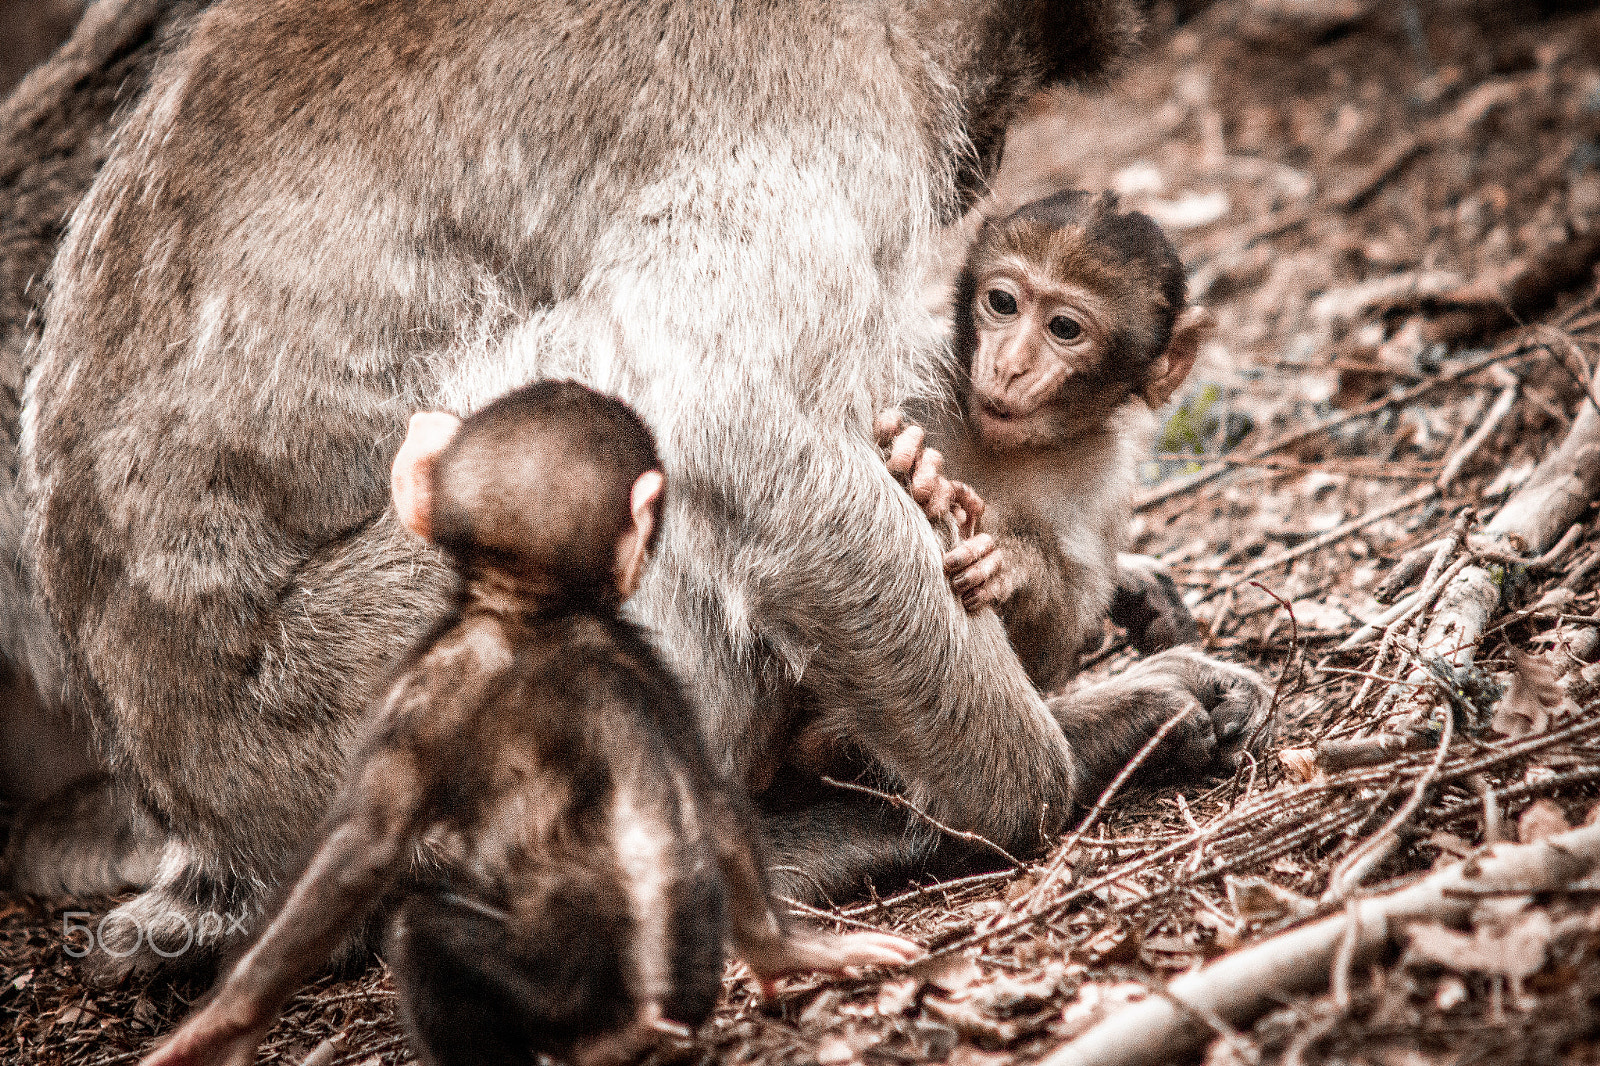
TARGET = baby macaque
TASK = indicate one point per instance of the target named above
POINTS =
(532, 790)
(1070, 327)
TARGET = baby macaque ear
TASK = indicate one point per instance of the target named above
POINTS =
(1172, 369)
(409, 482)
(646, 502)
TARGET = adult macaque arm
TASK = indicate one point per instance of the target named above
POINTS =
(768, 945)
(348, 872)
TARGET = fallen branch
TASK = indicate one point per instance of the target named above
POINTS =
(1242, 986)
(1532, 521)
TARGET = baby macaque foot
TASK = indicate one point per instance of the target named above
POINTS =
(631, 1044)
(815, 951)
(1147, 604)
(979, 572)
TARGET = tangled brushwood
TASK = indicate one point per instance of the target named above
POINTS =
(1378, 489)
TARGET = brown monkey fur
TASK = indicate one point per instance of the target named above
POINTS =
(1070, 328)
(326, 214)
(583, 861)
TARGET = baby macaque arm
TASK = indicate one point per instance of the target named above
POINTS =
(768, 946)
(978, 566)
(348, 872)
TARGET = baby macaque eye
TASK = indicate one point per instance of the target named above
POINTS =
(1065, 328)
(1003, 302)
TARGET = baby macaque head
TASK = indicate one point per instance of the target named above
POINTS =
(1067, 308)
(553, 485)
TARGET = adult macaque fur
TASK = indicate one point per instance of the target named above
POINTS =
(1070, 329)
(506, 191)
(531, 797)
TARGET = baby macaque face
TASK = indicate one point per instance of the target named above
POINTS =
(1073, 308)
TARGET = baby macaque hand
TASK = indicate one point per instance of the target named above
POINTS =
(979, 572)
(811, 950)
(426, 437)
(922, 469)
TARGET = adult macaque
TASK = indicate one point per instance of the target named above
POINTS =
(327, 214)
(1070, 327)
(582, 860)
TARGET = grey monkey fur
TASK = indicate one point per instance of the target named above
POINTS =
(324, 216)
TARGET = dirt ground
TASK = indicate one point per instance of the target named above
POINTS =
(1394, 214)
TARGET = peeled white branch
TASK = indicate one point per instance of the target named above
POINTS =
(1533, 519)
(1240, 987)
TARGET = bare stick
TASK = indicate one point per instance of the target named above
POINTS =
(826, 916)
(1497, 413)
(1354, 868)
(906, 805)
(1059, 863)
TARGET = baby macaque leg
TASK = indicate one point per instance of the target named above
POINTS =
(768, 947)
(1147, 604)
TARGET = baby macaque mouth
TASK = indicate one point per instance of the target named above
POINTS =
(998, 410)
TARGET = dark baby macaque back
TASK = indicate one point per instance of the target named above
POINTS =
(532, 786)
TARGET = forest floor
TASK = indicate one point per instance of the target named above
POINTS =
(1395, 220)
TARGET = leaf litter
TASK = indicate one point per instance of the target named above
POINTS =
(1394, 213)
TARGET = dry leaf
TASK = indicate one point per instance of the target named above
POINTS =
(1451, 847)
(1324, 617)
(967, 1055)
(1534, 693)
(1543, 819)
(1256, 899)
(835, 1051)
(972, 1020)
(895, 996)
(1301, 763)
(1095, 1002)
(952, 975)
(1452, 991)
